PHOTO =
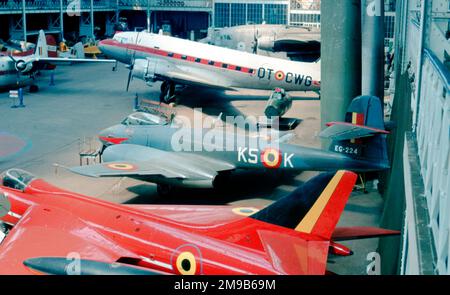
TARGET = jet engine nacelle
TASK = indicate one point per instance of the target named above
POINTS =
(278, 104)
(144, 69)
(23, 66)
(266, 43)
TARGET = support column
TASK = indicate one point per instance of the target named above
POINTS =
(61, 18)
(372, 66)
(92, 19)
(24, 21)
(341, 58)
(148, 16)
(117, 11)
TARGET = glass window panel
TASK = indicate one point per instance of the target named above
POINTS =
(222, 15)
(237, 14)
(254, 13)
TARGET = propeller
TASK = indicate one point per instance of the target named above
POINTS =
(255, 41)
(130, 74)
(131, 66)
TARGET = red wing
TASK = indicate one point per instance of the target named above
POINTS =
(49, 232)
(197, 215)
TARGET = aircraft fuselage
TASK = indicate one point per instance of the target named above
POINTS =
(220, 67)
(244, 152)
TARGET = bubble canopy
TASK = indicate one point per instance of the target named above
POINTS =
(142, 118)
(16, 179)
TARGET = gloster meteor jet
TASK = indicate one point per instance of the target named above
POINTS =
(199, 158)
(153, 57)
(47, 230)
(17, 70)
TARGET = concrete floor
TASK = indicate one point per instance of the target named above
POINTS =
(58, 120)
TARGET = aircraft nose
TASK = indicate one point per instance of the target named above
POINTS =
(102, 43)
(103, 46)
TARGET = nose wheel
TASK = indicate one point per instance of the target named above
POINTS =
(167, 92)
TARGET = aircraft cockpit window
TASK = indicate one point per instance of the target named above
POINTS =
(141, 118)
(16, 179)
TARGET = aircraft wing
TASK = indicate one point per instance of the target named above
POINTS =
(74, 60)
(45, 231)
(191, 76)
(127, 168)
(345, 131)
(138, 161)
(187, 79)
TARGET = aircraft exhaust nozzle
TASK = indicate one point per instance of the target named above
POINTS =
(65, 266)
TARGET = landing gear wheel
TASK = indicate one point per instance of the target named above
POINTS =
(34, 88)
(167, 93)
(164, 190)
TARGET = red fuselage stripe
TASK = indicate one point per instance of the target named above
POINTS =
(173, 55)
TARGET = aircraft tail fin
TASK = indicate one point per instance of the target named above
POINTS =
(315, 207)
(362, 135)
(41, 45)
(51, 46)
(78, 50)
(45, 46)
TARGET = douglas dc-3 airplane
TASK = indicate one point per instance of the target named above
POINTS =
(153, 57)
(47, 230)
(20, 70)
(184, 157)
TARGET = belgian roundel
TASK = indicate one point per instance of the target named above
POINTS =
(121, 166)
(271, 158)
(186, 263)
(186, 260)
(279, 75)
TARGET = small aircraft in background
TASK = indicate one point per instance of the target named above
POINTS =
(45, 230)
(17, 48)
(145, 149)
(17, 70)
(295, 43)
(174, 61)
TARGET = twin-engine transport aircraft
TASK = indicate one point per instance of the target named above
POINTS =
(184, 157)
(153, 57)
(287, 42)
(20, 70)
(47, 230)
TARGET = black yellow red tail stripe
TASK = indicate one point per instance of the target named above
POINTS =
(323, 216)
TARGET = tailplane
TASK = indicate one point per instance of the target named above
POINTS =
(362, 136)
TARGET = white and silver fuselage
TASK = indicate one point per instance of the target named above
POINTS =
(217, 66)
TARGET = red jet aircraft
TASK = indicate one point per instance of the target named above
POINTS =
(47, 230)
